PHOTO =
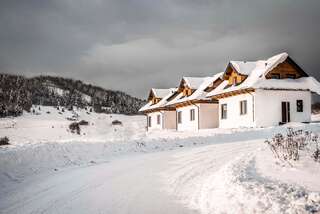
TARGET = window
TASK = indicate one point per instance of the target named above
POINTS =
(234, 81)
(275, 76)
(192, 115)
(243, 107)
(158, 119)
(224, 111)
(179, 117)
(291, 76)
(299, 105)
(149, 121)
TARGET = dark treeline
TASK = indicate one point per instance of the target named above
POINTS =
(18, 93)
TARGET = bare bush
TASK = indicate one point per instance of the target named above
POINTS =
(4, 141)
(74, 127)
(316, 155)
(289, 146)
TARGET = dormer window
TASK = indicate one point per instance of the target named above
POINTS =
(291, 76)
(187, 92)
(275, 76)
(155, 100)
(234, 81)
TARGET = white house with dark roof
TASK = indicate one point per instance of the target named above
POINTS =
(194, 110)
(158, 116)
(264, 93)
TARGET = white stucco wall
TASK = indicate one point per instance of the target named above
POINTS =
(209, 116)
(234, 119)
(269, 109)
(186, 124)
(169, 119)
(154, 125)
(265, 109)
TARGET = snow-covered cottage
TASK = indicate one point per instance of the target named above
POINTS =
(158, 116)
(194, 110)
(264, 93)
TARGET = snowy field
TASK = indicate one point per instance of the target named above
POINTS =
(121, 169)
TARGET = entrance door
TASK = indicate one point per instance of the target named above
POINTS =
(285, 112)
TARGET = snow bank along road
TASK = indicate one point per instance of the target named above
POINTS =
(148, 177)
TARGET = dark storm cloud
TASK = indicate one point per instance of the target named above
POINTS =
(132, 45)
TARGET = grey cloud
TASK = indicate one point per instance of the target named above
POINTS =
(132, 45)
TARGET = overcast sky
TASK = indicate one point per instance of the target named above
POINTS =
(133, 45)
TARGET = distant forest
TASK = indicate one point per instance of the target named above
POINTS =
(18, 93)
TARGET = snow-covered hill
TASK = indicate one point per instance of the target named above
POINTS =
(122, 169)
(18, 93)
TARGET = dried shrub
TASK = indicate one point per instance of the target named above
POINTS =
(4, 141)
(289, 146)
(316, 155)
(75, 127)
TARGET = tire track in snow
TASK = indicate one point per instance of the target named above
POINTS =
(189, 172)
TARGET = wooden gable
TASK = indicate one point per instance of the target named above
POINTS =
(285, 70)
(185, 89)
(233, 77)
(153, 98)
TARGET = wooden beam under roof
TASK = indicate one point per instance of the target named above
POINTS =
(232, 93)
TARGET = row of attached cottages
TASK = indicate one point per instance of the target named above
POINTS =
(247, 94)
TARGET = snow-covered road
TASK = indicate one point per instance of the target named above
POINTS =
(131, 184)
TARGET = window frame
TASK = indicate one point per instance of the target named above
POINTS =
(276, 76)
(158, 119)
(179, 117)
(192, 115)
(291, 76)
(149, 121)
(299, 105)
(235, 81)
(243, 107)
(224, 111)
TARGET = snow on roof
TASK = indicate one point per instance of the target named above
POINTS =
(256, 72)
(161, 103)
(194, 82)
(303, 83)
(244, 68)
(199, 94)
(160, 93)
(263, 66)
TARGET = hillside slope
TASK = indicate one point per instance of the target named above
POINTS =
(18, 93)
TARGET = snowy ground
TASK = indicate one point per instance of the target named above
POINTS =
(121, 169)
